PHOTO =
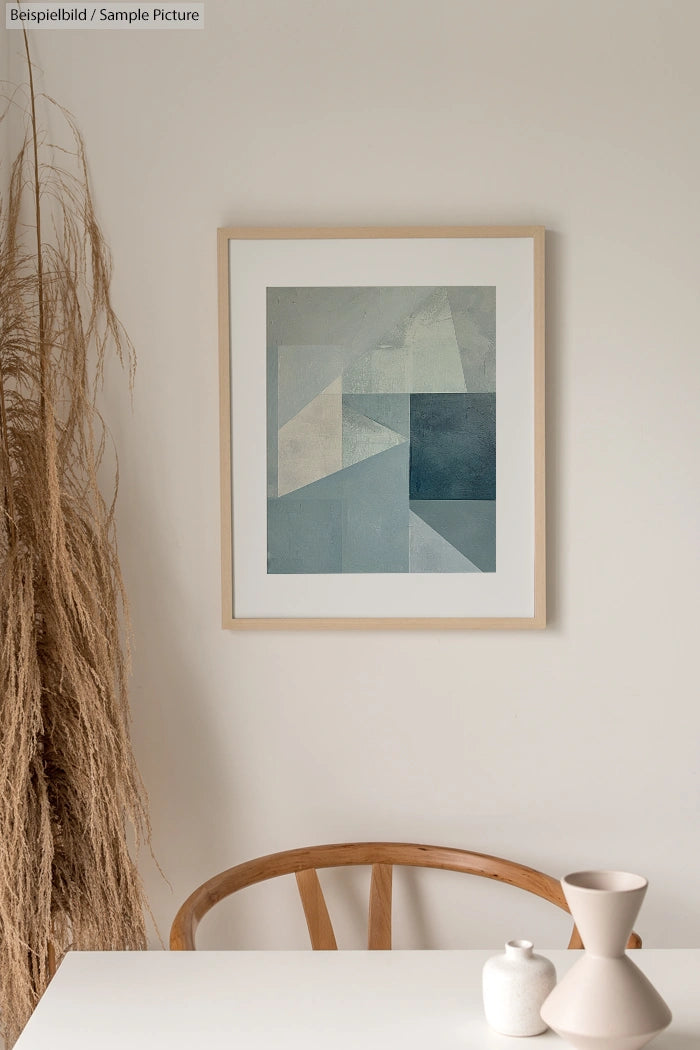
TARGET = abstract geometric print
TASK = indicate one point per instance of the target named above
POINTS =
(381, 430)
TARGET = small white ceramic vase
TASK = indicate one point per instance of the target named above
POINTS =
(515, 985)
(605, 1002)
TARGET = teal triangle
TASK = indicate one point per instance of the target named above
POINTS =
(468, 525)
(364, 437)
(430, 552)
(391, 410)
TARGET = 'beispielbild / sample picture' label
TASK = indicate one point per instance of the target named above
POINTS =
(104, 16)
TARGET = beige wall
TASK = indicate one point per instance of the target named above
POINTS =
(573, 747)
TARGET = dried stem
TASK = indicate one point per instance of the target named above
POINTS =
(37, 213)
(71, 800)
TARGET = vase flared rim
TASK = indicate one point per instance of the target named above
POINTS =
(605, 881)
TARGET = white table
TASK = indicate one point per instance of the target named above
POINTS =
(292, 1000)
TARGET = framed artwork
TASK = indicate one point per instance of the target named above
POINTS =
(382, 427)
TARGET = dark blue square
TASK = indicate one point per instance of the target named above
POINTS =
(453, 446)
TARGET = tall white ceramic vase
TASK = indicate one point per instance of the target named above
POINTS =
(605, 1002)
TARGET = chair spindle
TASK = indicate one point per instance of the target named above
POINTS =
(317, 918)
(379, 936)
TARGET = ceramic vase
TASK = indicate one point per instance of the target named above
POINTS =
(515, 984)
(605, 1002)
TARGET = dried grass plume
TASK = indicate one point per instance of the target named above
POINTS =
(71, 800)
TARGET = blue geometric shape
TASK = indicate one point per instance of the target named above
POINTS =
(431, 552)
(391, 410)
(373, 499)
(468, 525)
(375, 513)
(364, 437)
(272, 445)
(453, 447)
(304, 536)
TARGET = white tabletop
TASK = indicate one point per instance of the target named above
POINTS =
(332, 1000)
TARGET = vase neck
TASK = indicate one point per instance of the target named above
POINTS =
(604, 905)
(519, 949)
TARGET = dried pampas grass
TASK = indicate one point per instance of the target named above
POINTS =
(71, 800)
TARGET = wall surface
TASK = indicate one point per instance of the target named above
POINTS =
(572, 747)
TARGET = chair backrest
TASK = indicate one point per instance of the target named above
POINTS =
(381, 856)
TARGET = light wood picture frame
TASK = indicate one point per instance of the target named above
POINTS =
(382, 427)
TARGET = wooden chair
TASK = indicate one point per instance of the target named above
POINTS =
(382, 856)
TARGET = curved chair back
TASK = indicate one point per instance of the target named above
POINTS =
(382, 857)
